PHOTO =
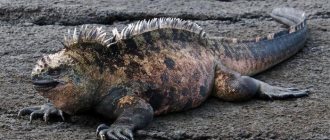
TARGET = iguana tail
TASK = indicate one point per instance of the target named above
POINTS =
(250, 57)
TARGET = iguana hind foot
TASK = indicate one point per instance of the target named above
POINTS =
(267, 91)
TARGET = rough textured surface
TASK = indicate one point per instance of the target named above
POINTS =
(24, 40)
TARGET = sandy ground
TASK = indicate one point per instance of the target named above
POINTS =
(31, 28)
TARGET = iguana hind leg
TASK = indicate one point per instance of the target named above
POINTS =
(231, 86)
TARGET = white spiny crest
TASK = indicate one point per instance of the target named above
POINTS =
(51, 61)
(116, 34)
(157, 23)
(86, 35)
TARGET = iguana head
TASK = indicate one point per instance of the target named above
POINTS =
(58, 78)
(65, 78)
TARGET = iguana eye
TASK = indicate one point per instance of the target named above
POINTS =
(54, 72)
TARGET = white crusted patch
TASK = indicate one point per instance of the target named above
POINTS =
(51, 61)
(270, 36)
(292, 29)
(258, 39)
(157, 23)
(234, 40)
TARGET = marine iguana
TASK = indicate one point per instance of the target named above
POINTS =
(158, 66)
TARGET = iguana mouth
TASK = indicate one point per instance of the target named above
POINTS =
(45, 84)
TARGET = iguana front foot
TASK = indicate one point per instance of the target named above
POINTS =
(115, 132)
(132, 113)
(43, 111)
(273, 92)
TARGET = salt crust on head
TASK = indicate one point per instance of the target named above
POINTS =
(51, 61)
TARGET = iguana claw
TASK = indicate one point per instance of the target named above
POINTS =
(43, 111)
(115, 132)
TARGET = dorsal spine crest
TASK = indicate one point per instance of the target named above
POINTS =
(86, 35)
(155, 24)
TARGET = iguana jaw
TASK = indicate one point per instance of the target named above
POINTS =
(45, 85)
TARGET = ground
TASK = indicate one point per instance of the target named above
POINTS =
(31, 28)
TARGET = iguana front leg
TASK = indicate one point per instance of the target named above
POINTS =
(132, 113)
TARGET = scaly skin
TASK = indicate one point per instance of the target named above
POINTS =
(153, 68)
(251, 57)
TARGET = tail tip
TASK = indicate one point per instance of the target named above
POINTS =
(288, 11)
